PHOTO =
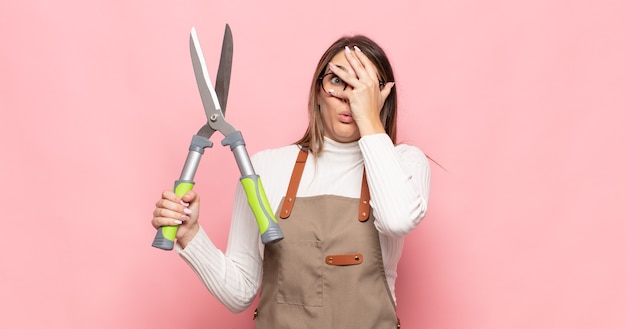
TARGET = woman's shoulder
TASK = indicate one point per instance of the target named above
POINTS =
(409, 149)
(272, 156)
(410, 153)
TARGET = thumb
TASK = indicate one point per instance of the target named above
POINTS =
(190, 197)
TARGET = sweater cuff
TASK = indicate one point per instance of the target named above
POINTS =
(373, 141)
(201, 243)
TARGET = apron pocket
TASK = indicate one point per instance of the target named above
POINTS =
(300, 273)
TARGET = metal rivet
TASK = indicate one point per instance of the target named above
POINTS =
(286, 211)
(330, 259)
(364, 201)
(289, 199)
(356, 258)
(363, 214)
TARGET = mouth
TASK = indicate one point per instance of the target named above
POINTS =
(345, 117)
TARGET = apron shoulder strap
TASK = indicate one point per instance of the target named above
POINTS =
(364, 203)
(294, 183)
(296, 175)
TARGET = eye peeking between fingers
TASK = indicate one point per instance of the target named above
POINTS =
(331, 82)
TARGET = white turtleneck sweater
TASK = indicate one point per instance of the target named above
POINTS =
(399, 182)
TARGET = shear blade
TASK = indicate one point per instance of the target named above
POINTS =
(222, 81)
(207, 92)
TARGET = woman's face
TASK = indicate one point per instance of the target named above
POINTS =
(336, 116)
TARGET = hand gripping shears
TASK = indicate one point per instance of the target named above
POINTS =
(212, 98)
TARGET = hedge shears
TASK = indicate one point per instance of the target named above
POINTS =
(214, 102)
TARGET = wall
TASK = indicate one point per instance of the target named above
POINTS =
(522, 102)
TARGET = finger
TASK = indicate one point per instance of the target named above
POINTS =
(360, 72)
(365, 70)
(165, 221)
(170, 195)
(366, 63)
(185, 200)
(357, 70)
(344, 73)
(355, 61)
(341, 73)
(173, 214)
(171, 205)
(190, 197)
(352, 58)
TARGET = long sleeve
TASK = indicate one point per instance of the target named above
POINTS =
(399, 182)
(234, 276)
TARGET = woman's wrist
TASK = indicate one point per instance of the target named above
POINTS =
(184, 240)
(370, 127)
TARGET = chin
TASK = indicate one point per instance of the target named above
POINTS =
(347, 138)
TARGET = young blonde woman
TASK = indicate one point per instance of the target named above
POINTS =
(345, 196)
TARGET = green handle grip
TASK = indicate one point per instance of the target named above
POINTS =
(268, 226)
(166, 235)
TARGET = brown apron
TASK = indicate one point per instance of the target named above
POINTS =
(328, 270)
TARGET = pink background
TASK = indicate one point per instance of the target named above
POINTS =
(523, 102)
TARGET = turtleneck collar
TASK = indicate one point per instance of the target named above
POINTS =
(334, 148)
